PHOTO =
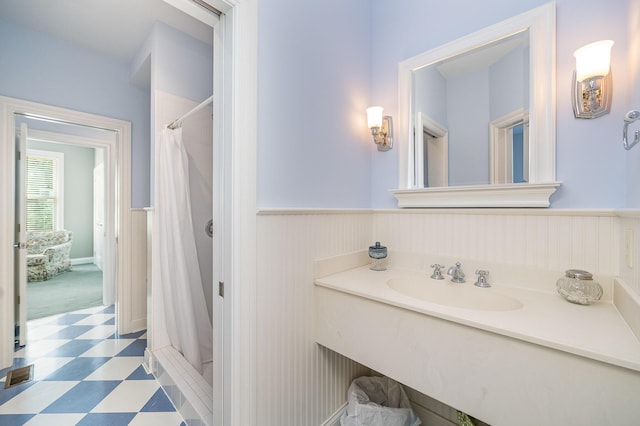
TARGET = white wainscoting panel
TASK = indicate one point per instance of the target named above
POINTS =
(299, 382)
(630, 223)
(138, 289)
(552, 240)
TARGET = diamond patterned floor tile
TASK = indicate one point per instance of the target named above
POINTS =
(78, 369)
(84, 374)
(129, 396)
(106, 419)
(54, 419)
(82, 397)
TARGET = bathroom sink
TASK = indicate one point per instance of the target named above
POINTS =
(466, 296)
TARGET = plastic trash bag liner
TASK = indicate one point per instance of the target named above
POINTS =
(378, 401)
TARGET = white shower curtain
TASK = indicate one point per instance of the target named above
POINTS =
(186, 315)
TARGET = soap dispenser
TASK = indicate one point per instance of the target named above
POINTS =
(378, 255)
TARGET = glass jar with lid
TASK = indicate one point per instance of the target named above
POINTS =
(578, 286)
(378, 255)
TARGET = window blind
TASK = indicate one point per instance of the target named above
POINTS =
(42, 197)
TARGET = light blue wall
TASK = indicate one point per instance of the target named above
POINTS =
(320, 65)
(509, 83)
(172, 62)
(314, 76)
(467, 124)
(35, 67)
(180, 64)
(633, 55)
(431, 94)
(591, 162)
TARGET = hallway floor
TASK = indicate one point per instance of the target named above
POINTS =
(84, 374)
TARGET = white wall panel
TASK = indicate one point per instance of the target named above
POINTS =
(299, 382)
(550, 240)
(138, 291)
(630, 275)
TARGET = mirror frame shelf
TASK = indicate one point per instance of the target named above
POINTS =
(501, 195)
(542, 126)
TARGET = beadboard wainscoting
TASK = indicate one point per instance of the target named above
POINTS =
(630, 249)
(138, 290)
(132, 288)
(298, 381)
(548, 239)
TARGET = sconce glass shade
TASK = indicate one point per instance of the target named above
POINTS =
(593, 60)
(592, 81)
(381, 128)
(374, 116)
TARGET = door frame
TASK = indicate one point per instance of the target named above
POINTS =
(424, 123)
(501, 146)
(119, 150)
(235, 133)
(239, 103)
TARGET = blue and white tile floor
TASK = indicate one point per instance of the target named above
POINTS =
(84, 374)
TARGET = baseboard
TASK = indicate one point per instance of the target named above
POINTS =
(186, 388)
(334, 420)
(81, 260)
(148, 362)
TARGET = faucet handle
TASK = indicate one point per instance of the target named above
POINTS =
(482, 279)
(437, 273)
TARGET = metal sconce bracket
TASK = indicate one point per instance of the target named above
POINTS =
(628, 119)
(592, 97)
(383, 136)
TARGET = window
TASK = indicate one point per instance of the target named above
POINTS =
(44, 190)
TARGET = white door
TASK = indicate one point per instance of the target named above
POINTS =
(98, 214)
(20, 269)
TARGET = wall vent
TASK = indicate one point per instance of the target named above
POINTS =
(19, 376)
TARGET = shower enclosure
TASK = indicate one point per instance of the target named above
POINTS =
(180, 348)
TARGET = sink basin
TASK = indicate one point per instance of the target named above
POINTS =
(466, 296)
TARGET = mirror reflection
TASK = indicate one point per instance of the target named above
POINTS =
(519, 172)
(471, 116)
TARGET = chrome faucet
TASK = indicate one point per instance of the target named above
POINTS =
(457, 276)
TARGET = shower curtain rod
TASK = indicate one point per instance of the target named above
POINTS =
(175, 123)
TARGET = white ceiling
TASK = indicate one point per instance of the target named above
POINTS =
(116, 28)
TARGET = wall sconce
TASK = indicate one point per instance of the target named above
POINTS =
(592, 82)
(381, 128)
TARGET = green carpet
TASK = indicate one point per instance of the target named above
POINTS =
(69, 291)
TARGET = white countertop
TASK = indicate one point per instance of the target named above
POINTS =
(596, 331)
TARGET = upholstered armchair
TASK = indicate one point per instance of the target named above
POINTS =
(48, 254)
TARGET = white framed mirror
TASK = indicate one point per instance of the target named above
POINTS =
(477, 118)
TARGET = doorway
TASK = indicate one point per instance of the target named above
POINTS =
(65, 190)
(431, 152)
(117, 241)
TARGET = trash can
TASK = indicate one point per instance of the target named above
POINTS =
(378, 401)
